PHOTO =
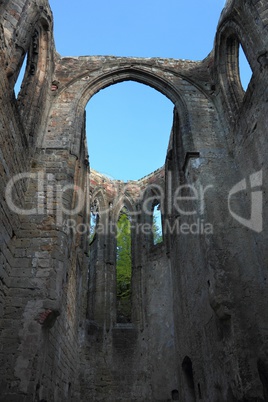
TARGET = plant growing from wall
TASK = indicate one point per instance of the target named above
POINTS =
(123, 268)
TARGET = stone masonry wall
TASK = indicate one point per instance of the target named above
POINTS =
(128, 361)
(225, 271)
(41, 267)
(199, 325)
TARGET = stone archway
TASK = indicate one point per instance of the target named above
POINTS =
(88, 75)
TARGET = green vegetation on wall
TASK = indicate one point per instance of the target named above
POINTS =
(123, 268)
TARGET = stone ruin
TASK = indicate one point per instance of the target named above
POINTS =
(199, 325)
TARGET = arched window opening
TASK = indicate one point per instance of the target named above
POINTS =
(235, 71)
(27, 82)
(131, 120)
(157, 224)
(187, 368)
(123, 268)
(232, 79)
(244, 69)
(93, 224)
(30, 63)
(94, 220)
(20, 78)
(175, 395)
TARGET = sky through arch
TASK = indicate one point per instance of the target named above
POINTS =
(128, 126)
(177, 29)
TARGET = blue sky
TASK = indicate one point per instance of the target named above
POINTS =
(128, 124)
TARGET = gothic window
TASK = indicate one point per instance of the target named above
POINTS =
(123, 268)
(244, 69)
(30, 73)
(29, 65)
(157, 224)
(94, 219)
(235, 69)
(21, 75)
